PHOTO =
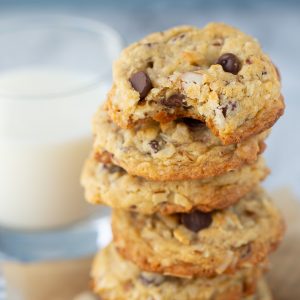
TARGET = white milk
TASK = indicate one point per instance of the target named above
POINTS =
(43, 143)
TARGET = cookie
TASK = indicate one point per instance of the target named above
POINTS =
(217, 74)
(106, 183)
(201, 244)
(116, 279)
(263, 292)
(177, 150)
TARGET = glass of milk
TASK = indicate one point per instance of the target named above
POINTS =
(54, 73)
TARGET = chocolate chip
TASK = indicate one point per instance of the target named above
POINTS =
(176, 100)
(151, 279)
(230, 106)
(196, 220)
(224, 111)
(154, 144)
(150, 64)
(230, 63)
(250, 213)
(141, 82)
(192, 123)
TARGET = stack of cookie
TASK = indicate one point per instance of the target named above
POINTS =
(177, 155)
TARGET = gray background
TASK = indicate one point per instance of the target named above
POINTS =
(275, 23)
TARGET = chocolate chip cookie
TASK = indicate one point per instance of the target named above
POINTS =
(177, 150)
(216, 74)
(117, 279)
(106, 183)
(198, 243)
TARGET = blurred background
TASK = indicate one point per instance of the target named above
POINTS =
(276, 24)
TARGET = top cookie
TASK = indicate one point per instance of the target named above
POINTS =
(217, 74)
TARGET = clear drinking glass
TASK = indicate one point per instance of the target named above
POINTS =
(54, 73)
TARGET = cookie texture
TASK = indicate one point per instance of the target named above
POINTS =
(201, 244)
(116, 279)
(177, 150)
(106, 183)
(216, 74)
(263, 292)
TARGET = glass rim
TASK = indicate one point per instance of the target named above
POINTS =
(18, 20)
